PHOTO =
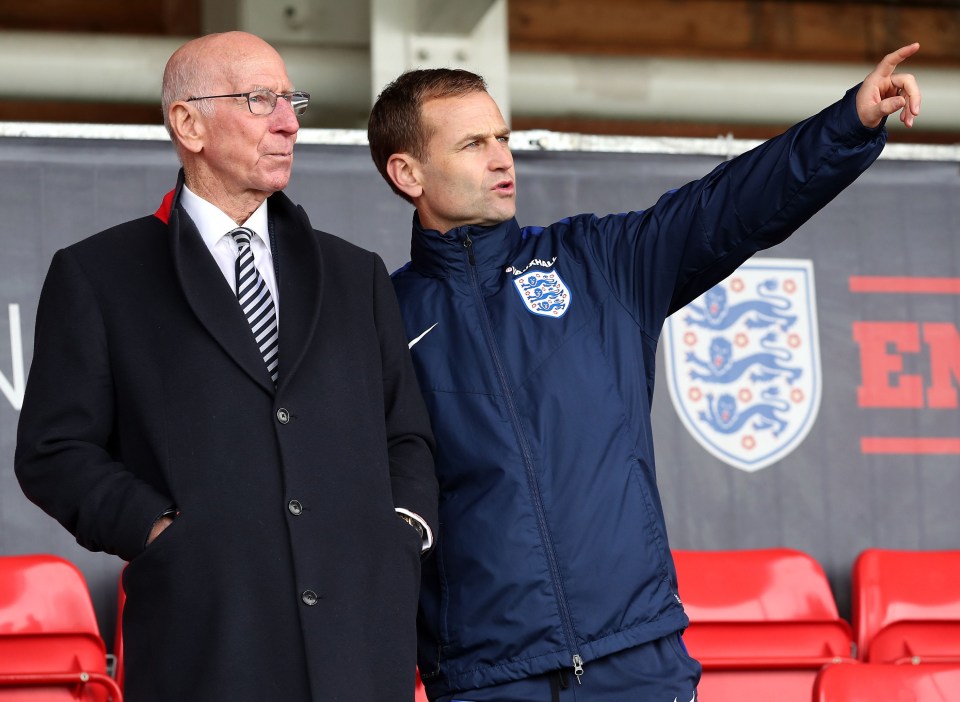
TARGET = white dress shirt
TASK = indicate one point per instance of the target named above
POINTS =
(215, 227)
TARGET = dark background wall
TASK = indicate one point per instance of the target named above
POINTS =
(828, 497)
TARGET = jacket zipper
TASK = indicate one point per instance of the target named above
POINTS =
(567, 621)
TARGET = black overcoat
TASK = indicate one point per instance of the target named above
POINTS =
(287, 575)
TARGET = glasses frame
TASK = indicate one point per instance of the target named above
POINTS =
(290, 97)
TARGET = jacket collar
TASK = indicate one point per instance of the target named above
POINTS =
(300, 278)
(442, 255)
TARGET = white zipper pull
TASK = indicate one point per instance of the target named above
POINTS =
(578, 667)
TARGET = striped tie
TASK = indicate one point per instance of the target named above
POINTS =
(256, 302)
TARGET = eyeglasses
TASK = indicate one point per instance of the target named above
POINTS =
(263, 102)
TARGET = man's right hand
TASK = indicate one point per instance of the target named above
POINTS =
(158, 527)
(883, 92)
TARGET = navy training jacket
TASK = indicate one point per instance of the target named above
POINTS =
(535, 350)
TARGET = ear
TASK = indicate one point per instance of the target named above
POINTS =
(404, 171)
(187, 126)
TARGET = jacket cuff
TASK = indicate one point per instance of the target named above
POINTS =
(427, 532)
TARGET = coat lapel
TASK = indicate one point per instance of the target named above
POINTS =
(301, 281)
(212, 301)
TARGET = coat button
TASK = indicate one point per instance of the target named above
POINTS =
(295, 507)
(309, 598)
(283, 416)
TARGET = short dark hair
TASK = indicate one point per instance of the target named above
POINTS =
(396, 120)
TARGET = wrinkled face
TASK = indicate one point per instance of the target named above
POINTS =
(467, 175)
(248, 153)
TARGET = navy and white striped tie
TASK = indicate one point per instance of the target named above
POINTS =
(257, 302)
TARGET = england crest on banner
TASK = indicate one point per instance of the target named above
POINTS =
(743, 362)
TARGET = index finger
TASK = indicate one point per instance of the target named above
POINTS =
(889, 62)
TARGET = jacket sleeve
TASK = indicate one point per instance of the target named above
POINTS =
(660, 259)
(63, 458)
(410, 441)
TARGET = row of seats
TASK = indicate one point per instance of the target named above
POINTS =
(765, 624)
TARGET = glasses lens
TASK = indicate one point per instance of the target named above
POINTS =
(299, 101)
(261, 102)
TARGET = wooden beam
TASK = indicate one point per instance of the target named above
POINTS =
(80, 112)
(743, 29)
(167, 17)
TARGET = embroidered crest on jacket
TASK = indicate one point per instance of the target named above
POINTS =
(543, 292)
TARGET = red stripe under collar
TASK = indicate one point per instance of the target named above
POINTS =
(163, 212)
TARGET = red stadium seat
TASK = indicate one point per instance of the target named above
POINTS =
(906, 606)
(870, 682)
(762, 622)
(421, 695)
(50, 645)
(118, 636)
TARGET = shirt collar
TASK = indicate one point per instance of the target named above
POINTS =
(212, 223)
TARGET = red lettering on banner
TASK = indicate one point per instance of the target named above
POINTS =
(909, 445)
(944, 342)
(892, 284)
(884, 346)
(881, 362)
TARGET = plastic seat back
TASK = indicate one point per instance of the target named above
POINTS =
(50, 645)
(776, 584)
(43, 594)
(904, 586)
(869, 682)
(762, 622)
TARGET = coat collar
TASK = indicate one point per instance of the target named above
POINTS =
(300, 275)
(441, 255)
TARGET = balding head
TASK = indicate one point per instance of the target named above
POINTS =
(231, 156)
(202, 64)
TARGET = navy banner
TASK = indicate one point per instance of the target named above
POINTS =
(811, 400)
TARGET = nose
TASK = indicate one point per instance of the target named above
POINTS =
(284, 118)
(501, 158)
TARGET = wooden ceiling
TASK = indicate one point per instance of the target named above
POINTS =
(856, 31)
(840, 31)
(792, 30)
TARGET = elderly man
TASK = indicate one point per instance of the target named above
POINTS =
(223, 396)
(535, 350)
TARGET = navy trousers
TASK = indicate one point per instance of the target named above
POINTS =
(658, 671)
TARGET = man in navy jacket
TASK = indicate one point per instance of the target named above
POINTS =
(534, 348)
